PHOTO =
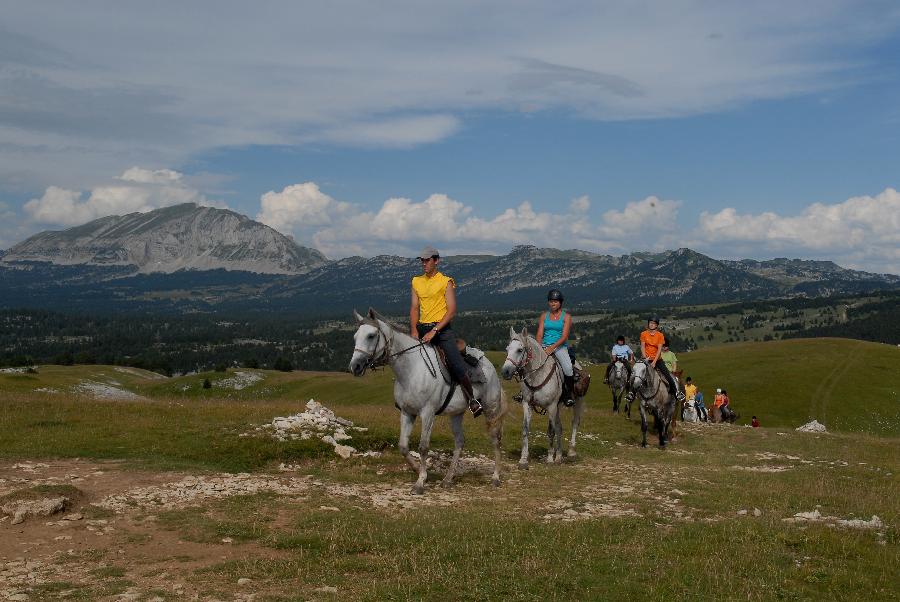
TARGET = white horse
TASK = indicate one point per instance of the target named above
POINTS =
(655, 398)
(618, 385)
(542, 381)
(423, 389)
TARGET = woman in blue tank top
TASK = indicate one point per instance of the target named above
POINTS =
(553, 334)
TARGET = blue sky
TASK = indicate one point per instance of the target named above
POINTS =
(738, 129)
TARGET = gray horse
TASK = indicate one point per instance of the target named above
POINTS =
(618, 385)
(421, 389)
(541, 388)
(655, 398)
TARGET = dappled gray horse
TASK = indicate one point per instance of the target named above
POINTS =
(541, 387)
(618, 384)
(654, 397)
(423, 389)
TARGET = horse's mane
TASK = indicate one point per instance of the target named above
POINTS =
(370, 320)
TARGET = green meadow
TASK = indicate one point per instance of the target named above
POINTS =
(703, 519)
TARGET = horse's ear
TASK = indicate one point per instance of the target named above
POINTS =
(359, 319)
(512, 333)
(524, 333)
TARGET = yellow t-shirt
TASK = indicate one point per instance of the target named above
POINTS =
(690, 391)
(432, 299)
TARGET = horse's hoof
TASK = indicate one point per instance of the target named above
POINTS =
(572, 455)
(447, 484)
(522, 466)
(495, 482)
(644, 445)
(418, 489)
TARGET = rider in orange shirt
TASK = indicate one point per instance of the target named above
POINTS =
(652, 341)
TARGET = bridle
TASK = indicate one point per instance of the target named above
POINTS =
(522, 374)
(645, 383)
(376, 360)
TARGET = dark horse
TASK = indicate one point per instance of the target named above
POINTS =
(655, 398)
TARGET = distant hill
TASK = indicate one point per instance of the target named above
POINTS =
(846, 385)
(191, 258)
(182, 237)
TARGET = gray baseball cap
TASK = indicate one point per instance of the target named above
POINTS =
(428, 252)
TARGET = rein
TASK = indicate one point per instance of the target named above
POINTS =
(375, 360)
(522, 374)
(644, 383)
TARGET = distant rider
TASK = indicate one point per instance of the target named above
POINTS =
(652, 341)
(553, 333)
(432, 306)
(620, 353)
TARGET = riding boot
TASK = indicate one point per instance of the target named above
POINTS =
(608, 370)
(474, 403)
(568, 395)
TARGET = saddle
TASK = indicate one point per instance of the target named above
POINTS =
(471, 356)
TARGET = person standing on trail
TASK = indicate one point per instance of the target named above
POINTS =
(432, 307)
(652, 341)
(717, 406)
(701, 407)
(690, 392)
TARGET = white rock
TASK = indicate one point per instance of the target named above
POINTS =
(812, 427)
(244, 581)
(757, 512)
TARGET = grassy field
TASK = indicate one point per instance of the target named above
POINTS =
(702, 519)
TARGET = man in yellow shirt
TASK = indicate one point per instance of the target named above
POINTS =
(432, 307)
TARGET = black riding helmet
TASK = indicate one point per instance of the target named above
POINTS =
(654, 318)
(620, 337)
(555, 295)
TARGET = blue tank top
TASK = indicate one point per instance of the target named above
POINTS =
(553, 329)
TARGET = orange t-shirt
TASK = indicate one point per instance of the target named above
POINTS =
(720, 399)
(652, 341)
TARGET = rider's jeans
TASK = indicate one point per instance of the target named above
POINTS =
(564, 359)
(446, 340)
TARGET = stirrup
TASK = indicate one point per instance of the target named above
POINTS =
(518, 397)
(629, 396)
(475, 407)
(569, 402)
(679, 397)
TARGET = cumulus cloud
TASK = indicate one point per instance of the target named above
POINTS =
(137, 189)
(861, 231)
(401, 225)
(297, 207)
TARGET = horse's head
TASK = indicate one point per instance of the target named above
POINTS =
(369, 344)
(516, 353)
(619, 368)
(640, 373)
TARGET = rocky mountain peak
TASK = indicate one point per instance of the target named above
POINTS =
(186, 236)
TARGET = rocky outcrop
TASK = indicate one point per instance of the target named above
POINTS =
(182, 237)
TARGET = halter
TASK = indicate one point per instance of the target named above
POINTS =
(522, 374)
(644, 382)
(373, 362)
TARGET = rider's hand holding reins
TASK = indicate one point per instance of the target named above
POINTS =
(428, 336)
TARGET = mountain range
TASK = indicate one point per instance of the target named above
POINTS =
(191, 258)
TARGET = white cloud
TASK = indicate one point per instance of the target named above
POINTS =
(164, 85)
(402, 225)
(860, 232)
(298, 207)
(138, 190)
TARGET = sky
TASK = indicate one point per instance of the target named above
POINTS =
(740, 130)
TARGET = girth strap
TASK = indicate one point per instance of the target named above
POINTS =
(447, 398)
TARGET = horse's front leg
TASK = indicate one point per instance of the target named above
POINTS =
(643, 424)
(424, 444)
(662, 426)
(456, 425)
(526, 428)
(554, 433)
(407, 421)
(616, 400)
(577, 411)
